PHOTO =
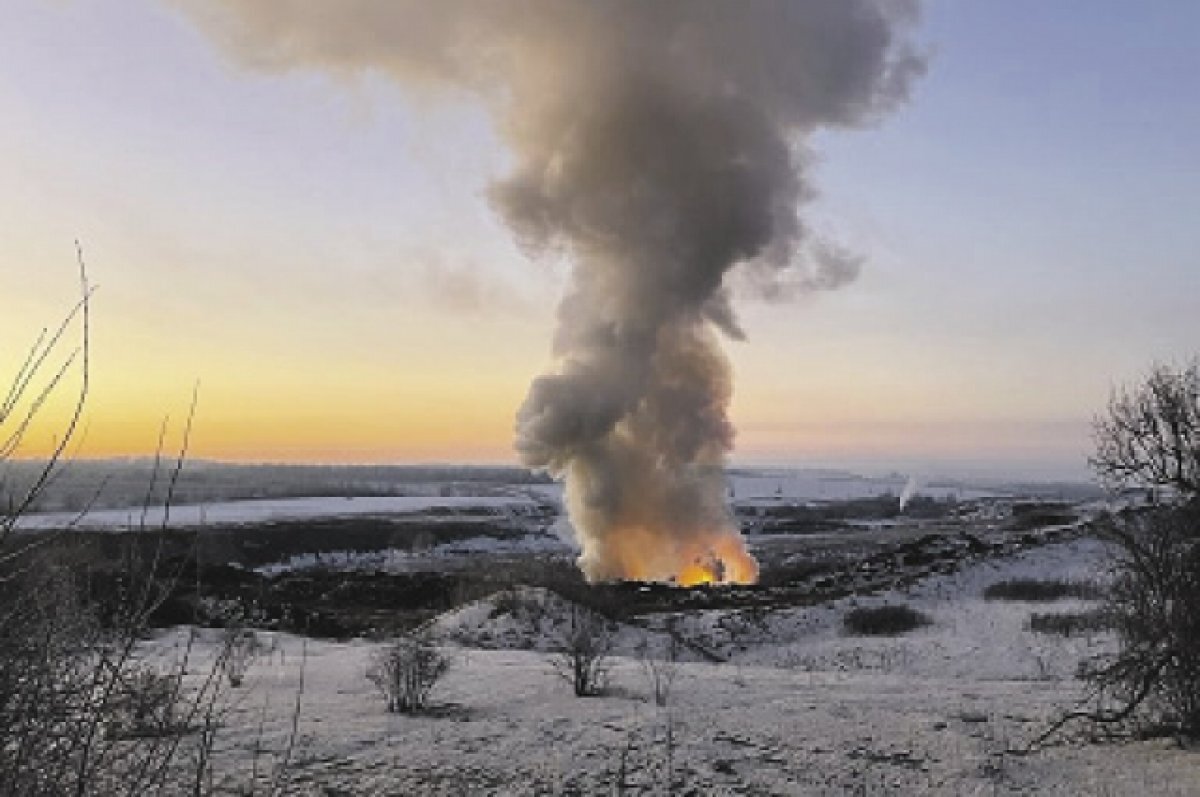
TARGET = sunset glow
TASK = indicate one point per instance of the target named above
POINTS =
(320, 253)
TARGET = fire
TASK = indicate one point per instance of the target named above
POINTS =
(723, 560)
(641, 553)
(699, 573)
(716, 558)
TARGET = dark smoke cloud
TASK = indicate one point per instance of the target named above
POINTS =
(660, 145)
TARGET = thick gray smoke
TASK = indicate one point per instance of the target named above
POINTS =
(659, 144)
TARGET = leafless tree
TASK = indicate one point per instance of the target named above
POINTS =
(581, 647)
(1150, 435)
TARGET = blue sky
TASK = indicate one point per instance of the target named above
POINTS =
(1029, 219)
(1030, 213)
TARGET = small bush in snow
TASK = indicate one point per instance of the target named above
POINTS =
(524, 605)
(1041, 590)
(406, 671)
(506, 602)
(660, 663)
(145, 703)
(1071, 623)
(240, 646)
(883, 620)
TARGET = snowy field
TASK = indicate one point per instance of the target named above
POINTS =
(273, 510)
(747, 489)
(796, 708)
(758, 487)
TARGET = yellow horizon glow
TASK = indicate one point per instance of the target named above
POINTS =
(420, 384)
(443, 425)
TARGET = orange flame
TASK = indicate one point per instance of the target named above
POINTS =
(725, 560)
(717, 558)
(699, 573)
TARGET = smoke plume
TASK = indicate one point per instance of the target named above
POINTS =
(659, 144)
(910, 489)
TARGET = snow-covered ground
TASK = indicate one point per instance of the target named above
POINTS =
(273, 510)
(747, 488)
(766, 487)
(970, 638)
(798, 708)
(757, 487)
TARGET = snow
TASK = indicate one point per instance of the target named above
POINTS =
(764, 487)
(273, 510)
(799, 708)
(969, 638)
(747, 489)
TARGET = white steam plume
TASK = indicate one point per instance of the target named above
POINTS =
(910, 489)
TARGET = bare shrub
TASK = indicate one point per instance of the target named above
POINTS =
(1155, 607)
(507, 601)
(528, 607)
(1041, 590)
(406, 671)
(80, 713)
(146, 702)
(581, 648)
(46, 676)
(240, 645)
(888, 620)
(239, 648)
(660, 663)
(1071, 623)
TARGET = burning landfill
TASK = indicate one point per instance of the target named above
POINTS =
(662, 147)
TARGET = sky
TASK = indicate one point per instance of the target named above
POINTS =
(319, 254)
